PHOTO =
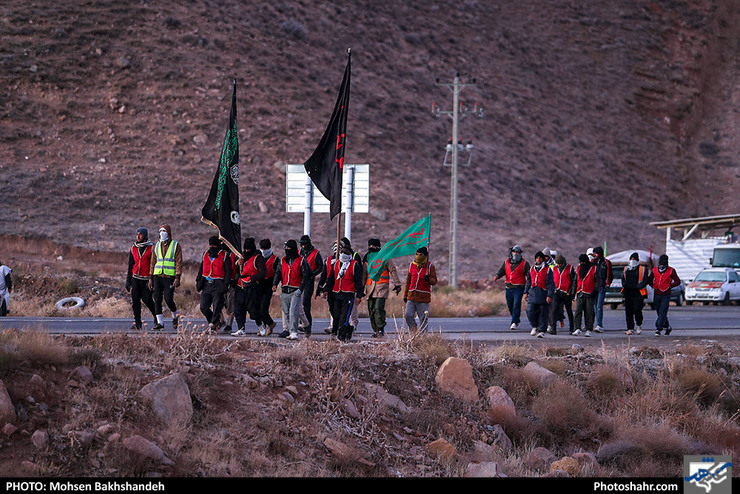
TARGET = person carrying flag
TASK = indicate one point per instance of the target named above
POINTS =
(252, 269)
(377, 292)
(212, 282)
(164, 275)
(137, 276)
(417, 293)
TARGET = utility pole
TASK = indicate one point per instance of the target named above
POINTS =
(454, 147)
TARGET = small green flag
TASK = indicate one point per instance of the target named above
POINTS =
(415, 236)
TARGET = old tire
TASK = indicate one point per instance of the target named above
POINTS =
(70, 303)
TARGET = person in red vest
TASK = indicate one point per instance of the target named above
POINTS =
(252, 269)
(564, 278)
(417, 292)
(585, 289)
(312, 255)
(272, 262)
(228, 310)
(345, 283)
(293, 274)
(634, 283)
(212, 281)
(137, 276)
(663, 278)
(514, 271)
(539, 289)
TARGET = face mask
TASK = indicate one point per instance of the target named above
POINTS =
(633, 264)
(266, 253)
(345, 257)
(213, 251)
(163, 235)
(516, 257)
(373, 248)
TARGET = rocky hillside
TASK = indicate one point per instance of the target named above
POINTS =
(599, 117)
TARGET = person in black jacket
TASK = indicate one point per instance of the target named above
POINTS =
(603, 280)
(634, 283)
(294, 282)
(252, 268)
(212, 281)
(137, 276)
(564, 277)
(345, 283)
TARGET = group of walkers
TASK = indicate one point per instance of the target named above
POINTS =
(550, 285)
(233, 288)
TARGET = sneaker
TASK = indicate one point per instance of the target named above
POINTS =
(540, 335)
(638, 330)
(327, 330)
(598, 329)
(514, 326)
(533, 332)
(174, 322)
(587, 334)
(668, 330)
(577, 332)
(261, 331)
(657, 332)
(629, 332)
(158, 327)
(239, 332)
(269, 329)
(291, 336)
(284, 334)
(551, 330)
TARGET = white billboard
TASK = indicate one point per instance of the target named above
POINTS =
(297, 181)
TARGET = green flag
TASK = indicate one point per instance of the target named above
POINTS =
(415, 236)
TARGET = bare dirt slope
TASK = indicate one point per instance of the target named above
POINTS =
(600, 117)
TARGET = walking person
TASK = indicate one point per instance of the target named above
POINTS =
(344, 282)
(539, 289)
(634, 283)
(417, 292)
(663, 278)
(264, 288)
(312, 255)
(137, 276)
(377, 292)
(294, 274)
(165, 273)
(212, 282)
(6, 286)
(229, 305)
(514, 271)
(603, 280)
(585, 289)
(564, 278)
(252, 270)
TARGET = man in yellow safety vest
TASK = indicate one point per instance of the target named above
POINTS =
(166, 269)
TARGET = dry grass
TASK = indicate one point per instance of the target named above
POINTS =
(265, 409)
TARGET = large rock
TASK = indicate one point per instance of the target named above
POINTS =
(455, 376)
(384, 398)
(347, 453)
(500, 402)
(539, 374)
(170, 399)
(442, 449)
(539, 459)
(7, 410)
(487, 469)
(566, 464)
(145, 449)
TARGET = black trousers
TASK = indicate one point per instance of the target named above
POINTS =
(307, 296)
(164, 291)
(633, 305)
(264, 297)
(341, 308)
(560, 301)
(212, 300)
(140, 293)
(246, 301)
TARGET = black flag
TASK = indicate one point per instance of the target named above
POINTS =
(326, 164)
(222, 206)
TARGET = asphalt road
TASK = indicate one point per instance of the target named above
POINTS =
(695, 322)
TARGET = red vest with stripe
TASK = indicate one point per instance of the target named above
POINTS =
(539, 278)
(347, 283)
(517, 276)
(142, 262)
(562, 279)
(248, 270)
(662, 281)
(291, 273)
(270, 261)
(417, 282)
(587, 284)
(214, 268)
